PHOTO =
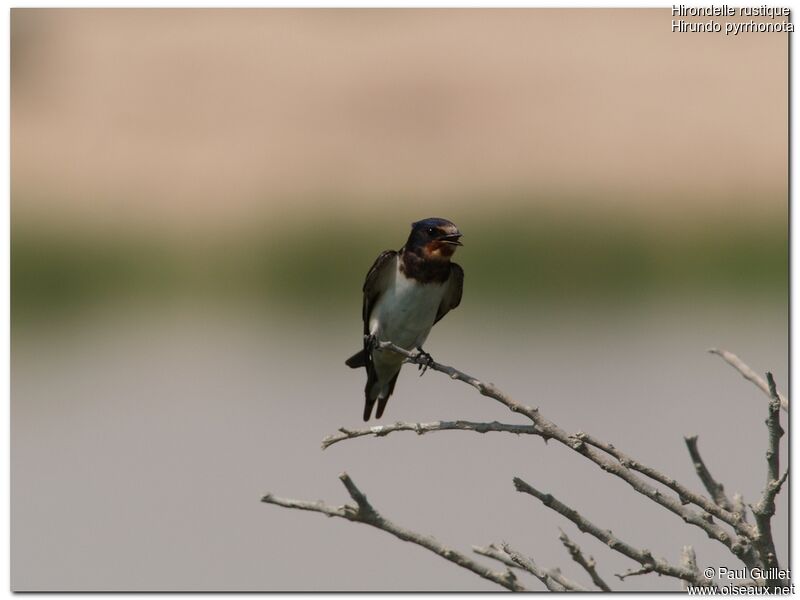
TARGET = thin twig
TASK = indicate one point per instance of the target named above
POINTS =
(740, 546)
(531, 567)
(749, 374)
(365, 513)
(775, 432)
(739, 505)
(645, 570)
(587, 564)
(689, 561)
(685, 495)
(714, 488)
(643, 557)
(420, 428)
(492, 551)
(568, 584)
(765, 509)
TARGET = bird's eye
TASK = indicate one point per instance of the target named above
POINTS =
(431, 230)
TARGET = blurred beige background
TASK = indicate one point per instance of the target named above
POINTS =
(200, 116)
(197, 194)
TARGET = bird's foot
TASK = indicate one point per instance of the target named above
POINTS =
(370, 343)
(426, 361)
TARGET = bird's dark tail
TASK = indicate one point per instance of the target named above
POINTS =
(382, 400)
(371, 391)
(359, 359)
(374, 391)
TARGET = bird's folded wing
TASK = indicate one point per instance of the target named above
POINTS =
(378, 278)
(452, 294)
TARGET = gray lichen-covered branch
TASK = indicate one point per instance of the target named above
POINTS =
(552, 579)
(685, 495)
(643, 557)
(713, 487)
(492, 551)
(721, 518)
(764, 510)
(421, 428)
(588, 564)
(364, 512)
(740, 545)
(749, 374)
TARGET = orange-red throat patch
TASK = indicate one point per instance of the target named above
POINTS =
(439, 250)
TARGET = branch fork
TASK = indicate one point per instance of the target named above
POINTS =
(752, 544)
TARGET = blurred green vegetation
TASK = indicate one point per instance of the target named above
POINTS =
(307, 264)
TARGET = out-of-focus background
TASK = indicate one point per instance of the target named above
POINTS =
(197, 195)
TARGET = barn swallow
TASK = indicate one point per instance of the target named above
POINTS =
(406, 292)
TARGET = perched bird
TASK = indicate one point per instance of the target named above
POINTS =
(405, 294)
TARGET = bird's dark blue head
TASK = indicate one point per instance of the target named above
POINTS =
(434, 238)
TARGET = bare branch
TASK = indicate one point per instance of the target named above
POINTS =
(364, 512)
(739, 546)
(775, 432)
(528, 565)
(739, 505)
(643, 557)
(752, 544)
(645, 570)
(749, 374)
(765, 509)
(569, 585)
(610, 460)
(685, 495)
(587, 564)
(365, 509)
(487, 389)
(714, 488)
(420, 428)
(492, 551)
(689, 561)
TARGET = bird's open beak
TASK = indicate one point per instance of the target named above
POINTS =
(453, 238)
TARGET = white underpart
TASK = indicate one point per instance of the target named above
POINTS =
(405, 312)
